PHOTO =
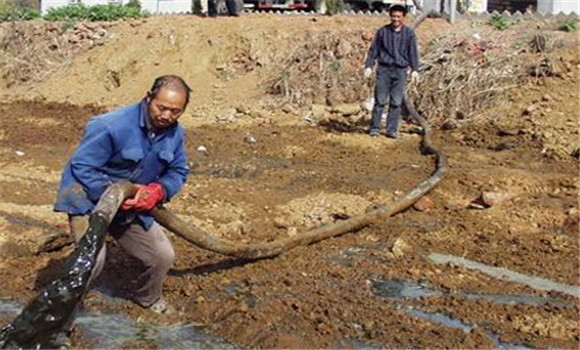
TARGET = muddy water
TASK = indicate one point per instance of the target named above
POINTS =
(396, 288)
(399, 290)
(508, 275)
(112, 331)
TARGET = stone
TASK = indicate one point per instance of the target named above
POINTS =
(502, 146)
(400, 248)
(546, 98)
(260, 113)
(318, 111)
(281, 223)
(343, 49)
(346, 109)
(227, 116)
(250, 139)
(292, 231)
(424, 204)
(288, 109)
(449, 125)
(530, 109)
(491, 199)
(574, 213)
(355, 119)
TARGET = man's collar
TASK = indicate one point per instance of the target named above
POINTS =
(391, 27)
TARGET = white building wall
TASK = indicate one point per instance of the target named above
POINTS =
(545, 6)
(474, 5)
(557, 6)
(166, 6)
(45, 5)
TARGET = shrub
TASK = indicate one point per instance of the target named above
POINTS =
(69, 12)
(28, 14)
(334, 7)
(499, 22)
(134, 3)
(24, 14)
(79, 12)
(569, 25)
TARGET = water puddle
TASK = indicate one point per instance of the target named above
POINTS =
(508, 275)
(448, 321)
(397, 288)
(439, 318)
(113, 330)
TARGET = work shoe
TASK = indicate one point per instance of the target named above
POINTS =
(374, 133)
(60, 340)
(162, 307)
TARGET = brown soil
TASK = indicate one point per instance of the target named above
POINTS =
(299, 175)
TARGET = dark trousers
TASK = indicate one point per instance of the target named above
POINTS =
(390, 84)
(212, 7)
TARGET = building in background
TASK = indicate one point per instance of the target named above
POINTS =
(544, 6)
(151, 6)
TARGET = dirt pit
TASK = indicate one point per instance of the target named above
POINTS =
(258, 181)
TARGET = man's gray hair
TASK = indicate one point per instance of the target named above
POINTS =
(172, 82)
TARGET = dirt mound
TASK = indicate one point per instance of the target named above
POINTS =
(31, 51)
(227, 61)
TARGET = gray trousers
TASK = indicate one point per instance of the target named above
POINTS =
(390, 84)
(151, 247)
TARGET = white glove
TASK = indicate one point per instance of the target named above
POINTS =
(414, 77)
(367, 73)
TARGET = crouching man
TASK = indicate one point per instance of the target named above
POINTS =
(141, 143)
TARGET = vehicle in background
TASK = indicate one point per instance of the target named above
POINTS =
(320, 5)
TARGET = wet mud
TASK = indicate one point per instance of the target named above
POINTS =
(373, 288)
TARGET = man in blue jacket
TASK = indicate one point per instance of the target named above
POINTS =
(144, 144)
(395, 49)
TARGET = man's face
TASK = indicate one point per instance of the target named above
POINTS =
(397, 18)
(165, 108)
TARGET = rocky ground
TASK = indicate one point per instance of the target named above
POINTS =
(265, 166)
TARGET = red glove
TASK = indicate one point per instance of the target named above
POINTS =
(146, 198)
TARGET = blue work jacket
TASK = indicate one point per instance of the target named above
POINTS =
(116, 146)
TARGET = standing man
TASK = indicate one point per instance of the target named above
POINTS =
(213, 8)
(141, 143)
(395, 49)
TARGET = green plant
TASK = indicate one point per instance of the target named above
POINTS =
(499, 22)
(110, 12)
(569, 25)
(134, 3)
(28, 14)
(17, 11)
(67, 24)
(335, 65)
(334, 7)
(69, 12)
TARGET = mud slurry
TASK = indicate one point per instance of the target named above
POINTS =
(289, 177)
